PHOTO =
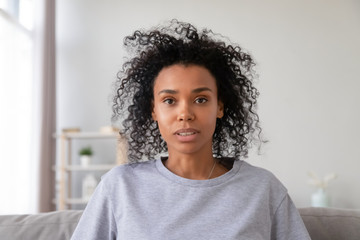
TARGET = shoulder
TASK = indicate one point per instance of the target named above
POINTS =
(128, 171)
(261, 178)
(256, 171)
(130, 166)
(263, 185)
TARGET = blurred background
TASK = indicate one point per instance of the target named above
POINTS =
(57, 72)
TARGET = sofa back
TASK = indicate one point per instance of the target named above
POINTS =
(322, 224)
(331, 223)
(44, 226)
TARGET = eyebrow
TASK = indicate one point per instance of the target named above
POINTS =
(196, 90)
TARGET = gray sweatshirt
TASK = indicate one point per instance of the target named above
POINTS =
(146, 201)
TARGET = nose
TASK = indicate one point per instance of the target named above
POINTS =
(185, 113)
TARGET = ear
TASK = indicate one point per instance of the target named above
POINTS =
(153, 114)
(220, 111)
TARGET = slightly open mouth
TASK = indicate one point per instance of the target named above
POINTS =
(186, 133)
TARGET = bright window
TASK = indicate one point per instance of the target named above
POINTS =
(16, 106)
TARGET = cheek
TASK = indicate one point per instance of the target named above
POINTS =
(162, 122)
(211, 121)
(160, 115)
(165, 132)
(209, 115)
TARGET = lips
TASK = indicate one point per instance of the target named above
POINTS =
(186, 132)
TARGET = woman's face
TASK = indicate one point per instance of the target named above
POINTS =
(186, 107)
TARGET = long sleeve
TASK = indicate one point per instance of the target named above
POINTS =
(287, 223)
(97, 221)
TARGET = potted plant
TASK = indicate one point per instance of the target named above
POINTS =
(85, 155)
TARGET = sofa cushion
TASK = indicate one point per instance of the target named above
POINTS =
(331, 223)
(52, 225)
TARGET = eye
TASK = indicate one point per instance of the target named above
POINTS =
(169, 101)
(201, 100)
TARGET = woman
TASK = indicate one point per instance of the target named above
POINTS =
(189, 98)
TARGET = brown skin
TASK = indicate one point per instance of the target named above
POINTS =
(186, 107)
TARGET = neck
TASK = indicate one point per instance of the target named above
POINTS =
(190, 166)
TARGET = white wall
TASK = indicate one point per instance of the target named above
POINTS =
(308, 56)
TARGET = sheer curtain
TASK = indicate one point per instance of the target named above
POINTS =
(27, 105)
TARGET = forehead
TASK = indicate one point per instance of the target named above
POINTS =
(181, 77)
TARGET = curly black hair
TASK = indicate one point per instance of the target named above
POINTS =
(182, 43)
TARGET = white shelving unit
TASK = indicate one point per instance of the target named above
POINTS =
(67, 168)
